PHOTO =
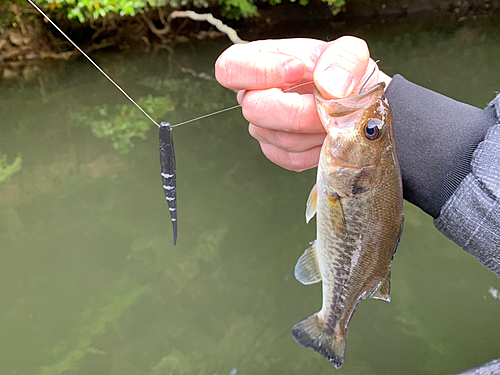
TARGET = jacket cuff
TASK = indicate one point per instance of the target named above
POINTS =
(436, 137)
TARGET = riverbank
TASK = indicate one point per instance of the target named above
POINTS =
(30, 40)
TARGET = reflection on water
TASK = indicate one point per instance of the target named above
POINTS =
(91, 284)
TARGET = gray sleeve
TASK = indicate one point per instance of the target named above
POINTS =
(436, 137)
(490, 368)
(471, 216)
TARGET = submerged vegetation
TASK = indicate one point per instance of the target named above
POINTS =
(94, 323)
(123, 122)
(92, 284)
(6, 169)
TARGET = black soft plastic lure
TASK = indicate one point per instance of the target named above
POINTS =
(167, 156)
(167, 161)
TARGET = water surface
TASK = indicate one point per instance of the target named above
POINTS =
(90, 282)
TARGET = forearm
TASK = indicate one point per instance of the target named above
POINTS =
(450, 163)
(471, 217)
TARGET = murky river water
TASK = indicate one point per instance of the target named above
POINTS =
(90, 282)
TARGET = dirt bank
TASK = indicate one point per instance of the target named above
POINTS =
(30, 40)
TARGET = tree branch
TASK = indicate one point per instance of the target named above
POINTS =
(231, 33)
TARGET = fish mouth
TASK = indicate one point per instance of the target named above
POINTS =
(345, 111)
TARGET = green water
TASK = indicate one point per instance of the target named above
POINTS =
(90, 282)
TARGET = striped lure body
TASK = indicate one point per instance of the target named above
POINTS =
(167, 161)
(167, 156)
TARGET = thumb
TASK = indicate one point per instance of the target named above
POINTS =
(341, 67)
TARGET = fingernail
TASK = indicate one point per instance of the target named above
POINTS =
(294, 71)
(337, 81)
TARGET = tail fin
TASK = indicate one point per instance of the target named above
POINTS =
(313, 333)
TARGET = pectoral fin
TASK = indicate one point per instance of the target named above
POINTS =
(307, 268)
(383, 291)
(311, 205)
(337, 215)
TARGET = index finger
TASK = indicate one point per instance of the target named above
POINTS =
(266, 64)
(244, 68)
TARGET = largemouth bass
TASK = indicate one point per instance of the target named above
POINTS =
(359, 203)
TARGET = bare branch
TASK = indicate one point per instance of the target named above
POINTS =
(231, 33)
(154, 29)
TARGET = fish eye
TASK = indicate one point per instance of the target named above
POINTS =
(372, 130)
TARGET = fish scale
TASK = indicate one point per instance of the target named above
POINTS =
(358, 201)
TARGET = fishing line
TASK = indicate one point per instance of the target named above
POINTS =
(137, 105)
(370, 76)
(238, 106)
(93, 63)
(207, 115)
(291, 88)
(167, 155)
(123, 91)
(166, 141)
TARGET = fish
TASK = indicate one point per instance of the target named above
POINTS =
(168, 172)
(358, 200)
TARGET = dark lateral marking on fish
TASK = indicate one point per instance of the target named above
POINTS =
(167, 162)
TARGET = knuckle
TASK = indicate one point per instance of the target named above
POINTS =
(284, 140)
(269, 153)
(296, 161)
(252, 130)
(255, 132)
(250, 110)
(291, 160)
(295, 118)
(250, 103)
(277, 156)
(261, 80)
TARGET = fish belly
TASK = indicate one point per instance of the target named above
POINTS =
(353, 263)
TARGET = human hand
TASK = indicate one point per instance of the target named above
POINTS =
(283, 118)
